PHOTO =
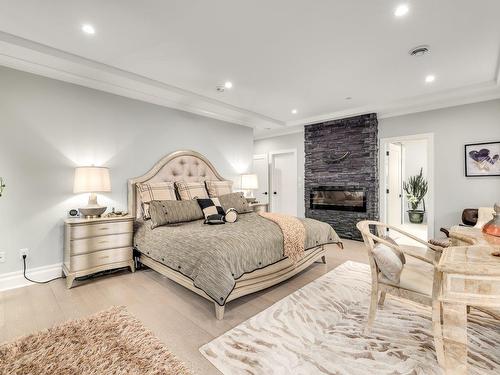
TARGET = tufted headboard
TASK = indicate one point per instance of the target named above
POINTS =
(181, 165)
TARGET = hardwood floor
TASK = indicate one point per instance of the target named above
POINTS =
(179, 317)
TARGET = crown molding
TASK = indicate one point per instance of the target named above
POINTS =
(264, 133)
(32, 57)
(449, 98)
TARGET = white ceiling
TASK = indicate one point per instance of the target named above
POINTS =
(279, 54)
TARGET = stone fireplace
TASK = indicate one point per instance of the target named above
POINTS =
(341, 172)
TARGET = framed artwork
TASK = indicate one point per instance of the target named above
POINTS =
(482, 159)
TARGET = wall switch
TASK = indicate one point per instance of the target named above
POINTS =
(2, 256)
(23, 252)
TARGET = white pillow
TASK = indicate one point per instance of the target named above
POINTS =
(388, 261)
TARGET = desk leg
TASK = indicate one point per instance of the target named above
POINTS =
(455, 338)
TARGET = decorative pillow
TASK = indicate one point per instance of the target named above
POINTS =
(236, 201)
(218, 188)
(154, 191)
(212, 209)
(231, 216)
(398, 252)
(172, 212)
(388, 261)
(191, 190)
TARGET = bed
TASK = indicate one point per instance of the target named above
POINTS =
(224, 262)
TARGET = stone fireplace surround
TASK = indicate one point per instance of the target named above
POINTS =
(324, 143)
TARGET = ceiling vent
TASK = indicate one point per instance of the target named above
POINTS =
(420, 50)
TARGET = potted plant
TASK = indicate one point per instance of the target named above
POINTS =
(415, 189)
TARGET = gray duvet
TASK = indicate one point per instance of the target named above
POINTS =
(214, 256)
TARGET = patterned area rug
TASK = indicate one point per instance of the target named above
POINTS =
(318, 330)
(110, 342)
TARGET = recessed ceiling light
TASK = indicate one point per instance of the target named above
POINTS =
(294, 111)
(401, 10)
(228, 84)
(88, 29)
(430, 78)
(348, 98)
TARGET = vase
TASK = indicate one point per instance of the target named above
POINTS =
(492, 227)
(416, 216)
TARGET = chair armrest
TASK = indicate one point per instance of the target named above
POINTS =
(420, 253)
(445, 231)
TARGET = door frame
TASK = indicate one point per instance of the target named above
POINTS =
(429, 202)
(272, 154)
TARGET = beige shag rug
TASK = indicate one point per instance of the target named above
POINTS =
(109, 342)
(319, 330)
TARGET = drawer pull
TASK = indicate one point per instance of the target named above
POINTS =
(103, 241)
(104, 257)
(106, 228)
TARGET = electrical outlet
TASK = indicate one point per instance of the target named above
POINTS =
(23, 252)
(2, 256)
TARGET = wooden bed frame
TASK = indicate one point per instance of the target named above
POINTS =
(192, 166)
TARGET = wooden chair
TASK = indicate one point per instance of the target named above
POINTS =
(420, 280)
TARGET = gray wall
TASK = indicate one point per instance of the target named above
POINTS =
(453, 127)
(48, 127)
(285, 142)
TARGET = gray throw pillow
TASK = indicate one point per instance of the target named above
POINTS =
(388, 262)
(173, 212)
(398, 252)
(236, 201)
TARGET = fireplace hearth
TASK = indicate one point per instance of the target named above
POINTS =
(338, 198)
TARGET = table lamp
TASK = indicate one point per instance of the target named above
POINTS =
(249, 183)
(92, 180)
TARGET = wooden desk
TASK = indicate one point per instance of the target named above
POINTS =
(470, 277)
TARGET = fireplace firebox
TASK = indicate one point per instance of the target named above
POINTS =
(338, 198)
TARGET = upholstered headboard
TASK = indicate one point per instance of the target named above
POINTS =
(189, 166)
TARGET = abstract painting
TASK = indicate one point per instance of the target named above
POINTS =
(482, 159)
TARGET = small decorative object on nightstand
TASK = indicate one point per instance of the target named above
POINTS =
(259, 207)
(95, 245)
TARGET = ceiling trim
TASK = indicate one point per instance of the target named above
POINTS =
(464, 95)
(32, 57)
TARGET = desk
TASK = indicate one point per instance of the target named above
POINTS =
(470, 277)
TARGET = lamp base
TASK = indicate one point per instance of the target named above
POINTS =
(92, 210)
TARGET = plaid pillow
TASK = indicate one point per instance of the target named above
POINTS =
(213, 211)
(154, 191)
(218, 188)
(191, 190)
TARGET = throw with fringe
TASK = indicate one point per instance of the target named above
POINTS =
(294, 234)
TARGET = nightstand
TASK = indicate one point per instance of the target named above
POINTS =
(259, 207)
(94, 245)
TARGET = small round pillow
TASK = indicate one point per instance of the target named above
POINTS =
(231, 215)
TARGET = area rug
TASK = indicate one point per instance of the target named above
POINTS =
(109, 342)
(318, 330)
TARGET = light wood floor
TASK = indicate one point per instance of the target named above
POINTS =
(179, 317)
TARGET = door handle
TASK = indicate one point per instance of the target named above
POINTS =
(275, 193)
(265, 193)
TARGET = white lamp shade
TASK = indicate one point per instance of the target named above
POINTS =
(91, 180)
(249, 181)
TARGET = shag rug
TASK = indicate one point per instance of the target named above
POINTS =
(109, 342)
(318, 330)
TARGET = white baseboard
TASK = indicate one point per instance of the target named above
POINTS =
(16, 279)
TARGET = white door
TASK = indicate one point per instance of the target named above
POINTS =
(394, 185)
(261, 169)
(284, 182)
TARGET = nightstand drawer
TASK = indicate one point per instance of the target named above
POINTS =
(86, 231)
(89, 245)
(100, 258)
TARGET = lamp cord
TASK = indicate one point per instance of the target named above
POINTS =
(34, 281)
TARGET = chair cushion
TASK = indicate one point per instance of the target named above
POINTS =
(388, 262)
(416, 276)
